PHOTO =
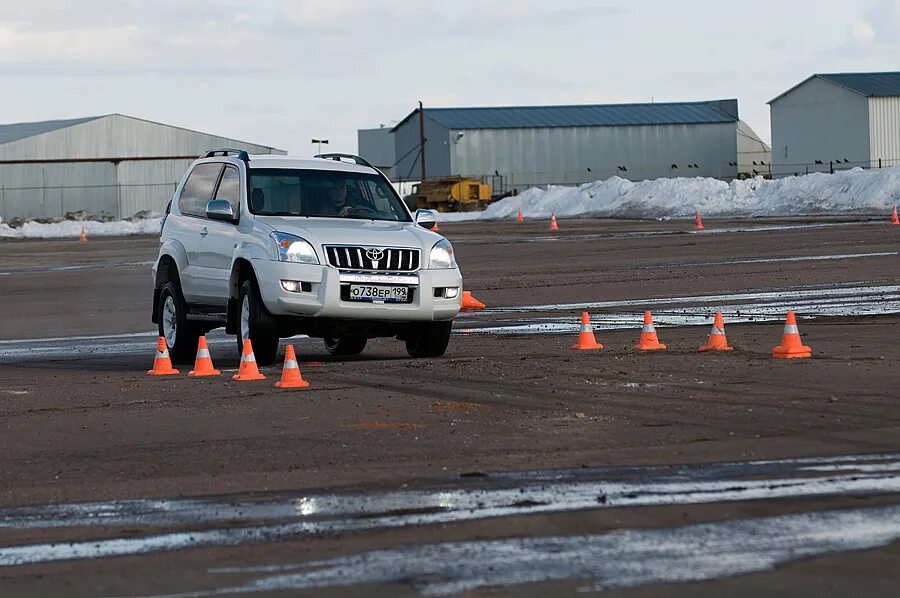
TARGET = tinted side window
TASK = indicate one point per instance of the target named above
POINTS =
(198, 189)
(230, 189)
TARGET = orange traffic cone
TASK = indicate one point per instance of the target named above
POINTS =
(553, 225)
(83, 237)
(435, 228)
(717, 340)
(649, 340)
(290, 374)
(698, 223)
(162, 365)
(248, 370)
(586, 339)
(519, 217)
(791, 346)
(203, 365)
(470, 302)
(895, 220)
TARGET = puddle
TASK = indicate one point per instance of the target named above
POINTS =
(472, 498)
(619, 559)
(773, 260)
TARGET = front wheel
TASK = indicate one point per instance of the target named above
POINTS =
(257, 324)
(345, 345)
(429, 340)
(180, 334)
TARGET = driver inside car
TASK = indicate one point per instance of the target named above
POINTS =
(336, 203)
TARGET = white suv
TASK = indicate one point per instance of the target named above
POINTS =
(272, 246)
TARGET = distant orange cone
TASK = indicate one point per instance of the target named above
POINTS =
(162, 365)
(290, 373)
(553, 225)
(649, 340)
(519, 217)
(435, 228)
(203, 365)
(83, 237)
(895, 219)
(791, 346)
(717, 340)
(248, 370)
(470, 302)
(698, 222)
(586, 339)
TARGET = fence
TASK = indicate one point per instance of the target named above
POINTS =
(107, 188)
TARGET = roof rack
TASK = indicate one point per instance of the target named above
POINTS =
(341, 157)
(227, 151)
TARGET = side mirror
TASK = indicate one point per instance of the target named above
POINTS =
(426, 219)
(220, 209)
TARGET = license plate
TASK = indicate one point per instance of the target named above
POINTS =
(367, 292)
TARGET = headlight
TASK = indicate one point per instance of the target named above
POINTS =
(442, 256)
(291, 248)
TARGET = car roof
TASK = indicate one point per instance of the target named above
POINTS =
(275, 161)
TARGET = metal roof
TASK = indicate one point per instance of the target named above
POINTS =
(598, 115)
(17, 131)
(870, 85)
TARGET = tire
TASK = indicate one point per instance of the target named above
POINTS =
(429, 340)
(345, 345)
(180, 334)
(255, 322)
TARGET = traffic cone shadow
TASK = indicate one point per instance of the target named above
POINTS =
(203, 365)
(791, 346)
(290, 373)
(162, 365)
(248, 370)
(586, 339)
(717, 340)
(649, 341)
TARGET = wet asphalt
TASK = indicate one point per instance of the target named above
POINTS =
(512, 465)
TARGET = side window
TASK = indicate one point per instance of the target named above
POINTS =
(230, 188)
(198, 189)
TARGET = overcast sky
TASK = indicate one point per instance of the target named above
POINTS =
(279, 72)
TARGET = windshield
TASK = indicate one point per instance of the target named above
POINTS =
(324, 193)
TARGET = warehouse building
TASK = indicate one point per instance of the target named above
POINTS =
(518, 147)
(377, 147)
(112, 166)
(837, 121)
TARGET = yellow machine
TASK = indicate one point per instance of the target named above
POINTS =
(452, 194)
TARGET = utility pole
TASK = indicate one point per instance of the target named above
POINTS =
(320, 142)
(422, 139)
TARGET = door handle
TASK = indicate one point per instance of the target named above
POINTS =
(204, 231)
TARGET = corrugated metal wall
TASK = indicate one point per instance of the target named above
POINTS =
(818, 121)
(541, 156)
(884, 130)
(117, 189)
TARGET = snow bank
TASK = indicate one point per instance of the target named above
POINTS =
(851, 191)
(71, 229)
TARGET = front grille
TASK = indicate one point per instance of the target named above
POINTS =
(360, 259)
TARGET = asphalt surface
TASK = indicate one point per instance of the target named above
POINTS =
(511, 465)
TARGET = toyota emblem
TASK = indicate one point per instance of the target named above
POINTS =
(374, 254)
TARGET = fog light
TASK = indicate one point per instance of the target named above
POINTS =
(451, 292)
(292, 286)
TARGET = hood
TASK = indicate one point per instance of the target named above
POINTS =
(349, 231)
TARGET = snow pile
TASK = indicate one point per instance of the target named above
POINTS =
(851, 191)
(72, 229)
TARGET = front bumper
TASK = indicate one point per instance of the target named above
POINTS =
(323, 300)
